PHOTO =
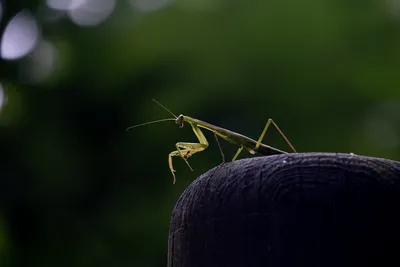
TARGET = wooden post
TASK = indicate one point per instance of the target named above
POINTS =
(311, 209)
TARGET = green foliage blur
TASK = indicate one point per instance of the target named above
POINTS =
(76, 189)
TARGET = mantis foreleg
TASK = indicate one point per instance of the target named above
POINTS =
(186, 150)
(279, 130)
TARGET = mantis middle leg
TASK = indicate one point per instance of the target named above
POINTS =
(220, 148)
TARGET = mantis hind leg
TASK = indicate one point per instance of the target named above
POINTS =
(237, 153)
(269, 122)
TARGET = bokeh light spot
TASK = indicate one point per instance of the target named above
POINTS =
(20, 36)
(40, 63)
(91, 12)
(65, 4)
(149, 5)
(58, 4)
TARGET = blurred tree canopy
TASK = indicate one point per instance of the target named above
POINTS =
(76, 189)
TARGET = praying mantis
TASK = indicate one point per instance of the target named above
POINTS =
(186, 150)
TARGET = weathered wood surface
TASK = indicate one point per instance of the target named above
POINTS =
(311, 209)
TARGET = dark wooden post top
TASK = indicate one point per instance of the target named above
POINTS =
(311, 209)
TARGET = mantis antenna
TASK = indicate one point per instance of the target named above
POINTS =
(170, 112)
(150, 122)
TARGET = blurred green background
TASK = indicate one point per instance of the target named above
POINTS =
(76, 189)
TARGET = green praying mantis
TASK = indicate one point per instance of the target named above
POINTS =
(186, 150)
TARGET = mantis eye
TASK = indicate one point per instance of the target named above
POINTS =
(180, 120)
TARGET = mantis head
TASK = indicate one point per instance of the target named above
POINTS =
(180, 121)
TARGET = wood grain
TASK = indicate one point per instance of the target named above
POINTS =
(311, 209)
